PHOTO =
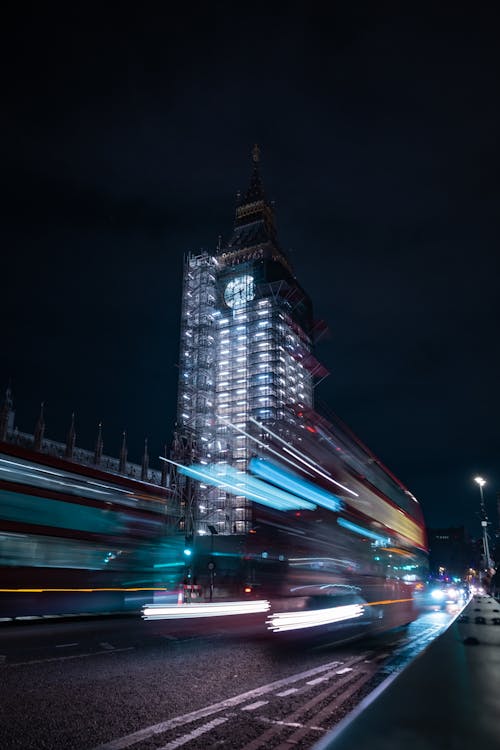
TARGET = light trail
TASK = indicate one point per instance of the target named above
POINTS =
(212, 609)
(309, 462)
(245, 486)
(363, 532)
(299, 486)
(260, 443)
(84, 591)
(280, 622)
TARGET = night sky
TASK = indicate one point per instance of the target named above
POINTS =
(125, 136)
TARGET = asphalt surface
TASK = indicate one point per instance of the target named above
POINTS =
(457, 677)
(121, 682)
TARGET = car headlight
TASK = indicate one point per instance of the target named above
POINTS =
(437, 594)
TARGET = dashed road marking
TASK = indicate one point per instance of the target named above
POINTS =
(318, 680)
(328, 676)
(195, 733)
(292, 724)
(287, 692)
(254, 706)
(143, 734)
(66, 645)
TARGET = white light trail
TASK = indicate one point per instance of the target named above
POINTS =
(321, 473)
(211, 609)
(283, 621)
(259, 442)
(307, 462)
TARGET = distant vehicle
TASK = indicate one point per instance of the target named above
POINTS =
(443, 593)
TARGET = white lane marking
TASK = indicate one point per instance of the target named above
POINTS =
(287, 692)
(73, 656)
(195, 733)
(328, 676)
(254, 706)
(293, 724)
(107, 645)
(66, 645)
(143, 734)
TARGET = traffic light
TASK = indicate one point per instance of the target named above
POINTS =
(188, 545)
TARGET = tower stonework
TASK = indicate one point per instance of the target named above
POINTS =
(245, 357)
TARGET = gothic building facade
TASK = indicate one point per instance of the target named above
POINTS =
(39, 442)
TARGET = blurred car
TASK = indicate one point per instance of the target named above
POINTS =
(442, 593)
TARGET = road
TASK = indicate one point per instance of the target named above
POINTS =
(121, 682)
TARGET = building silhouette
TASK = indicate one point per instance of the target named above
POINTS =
(69, 451)
(451, 551)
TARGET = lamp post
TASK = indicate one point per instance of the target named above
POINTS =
(484, 523)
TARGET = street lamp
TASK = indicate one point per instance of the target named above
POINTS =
(484, 523)
(481, 482)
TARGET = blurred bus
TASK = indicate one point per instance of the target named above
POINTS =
(336, 540)
(75, 538)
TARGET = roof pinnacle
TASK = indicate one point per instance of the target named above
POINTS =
(254, 230)
(255, 191)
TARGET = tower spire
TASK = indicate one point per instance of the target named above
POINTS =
(145, 462)
(71, 438)
(6, 415)
(254, 234)
(255, 190)
(122, 468)
(98, 446)
(39, 429)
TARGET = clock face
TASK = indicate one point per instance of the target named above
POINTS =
(239, 291)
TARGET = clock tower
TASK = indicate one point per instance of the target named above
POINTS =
(245, 357)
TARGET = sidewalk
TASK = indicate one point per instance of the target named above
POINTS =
(447, 699)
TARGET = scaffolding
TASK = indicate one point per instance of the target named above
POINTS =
(249, 361)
